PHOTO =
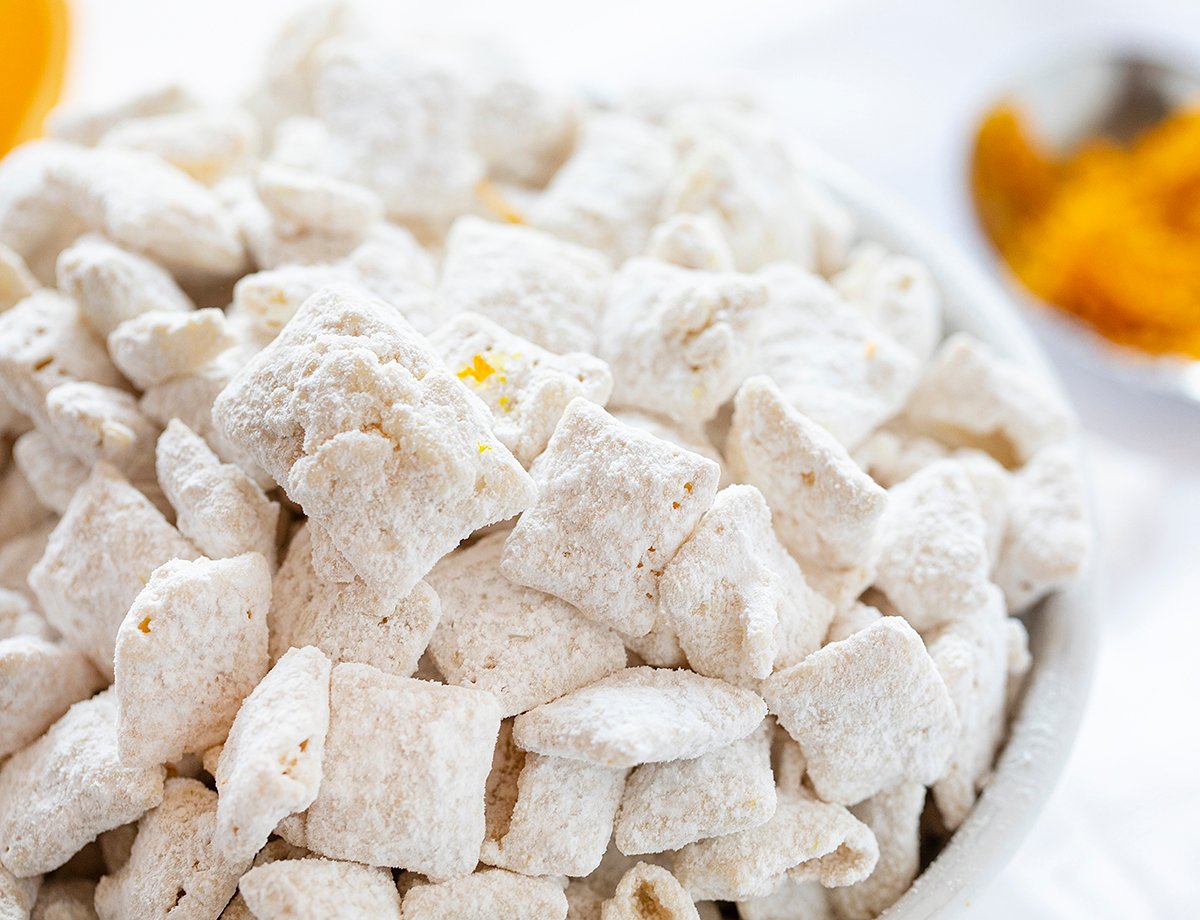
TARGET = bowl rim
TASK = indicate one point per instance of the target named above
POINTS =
(1063, 638)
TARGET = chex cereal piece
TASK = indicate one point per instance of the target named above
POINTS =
(680, 340)
(737, 601)
(50, 189)
(43, 342)
(669, 805)
(86, 126)
(65, 899)
(408, 793)
(41, 681)
(992, 484)
(659, 648)
(869, 712)
(850, 620)
(16, 280)
(67, 787)
(649, 892)
(526, 387)
(191, 648)
(933, 559)
(548, 815)
(894, 817)
(972, 657)
(53, 472)
(19, 554)
(607, 195)
(805, 840)
(1047, 538)
(270, 765)
(265, 301)
(20, 509)
(895, 451)
(17, 895)
(522, 130)
(542, 288)
(391, 264)
(826, 510)
(274, 851)
(614, 505)
(96, 422)
(641, 715)
(205, 143)
(399, 124)
(348, 621)
(828, 359)
(159, 344)
(319, 889)
(174, 870)
(99, 556)
(972, 397)
(666, 430)
(350, 408)
(487, 893)
(217, 506)
(896, 293)
(18, 618)
(523, 646)
(691, 241)
(790, 900)
(112, 285)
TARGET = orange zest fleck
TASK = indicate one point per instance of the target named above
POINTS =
(483, 447)
(144, 626)
(478, 370)
(492, 199)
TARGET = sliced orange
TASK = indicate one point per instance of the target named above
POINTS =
(33, 61)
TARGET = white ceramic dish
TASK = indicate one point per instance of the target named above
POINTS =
(1063, 634)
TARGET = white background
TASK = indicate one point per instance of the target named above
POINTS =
(892, 88)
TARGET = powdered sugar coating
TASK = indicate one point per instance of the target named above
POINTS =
(41, 681)
(523, 646)
(649, 891)
(487, 893)
(691, 241)
(53, 473)
(641, 715)
(315, 889)
(897, 294)
(157, 345)
(614, 505)
(869, 712)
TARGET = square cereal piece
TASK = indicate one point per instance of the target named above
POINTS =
(669, 805)
(381, 445)
(487, 893)
(20, 510)
(805, 840)
(405, 767)
(319, 889)
(869, 712)
(217, 506)
(737, 601)
(524, 647)
(608, 194)
(829, 361)
(270, 765)
(691, 241)
(18, 618)
(649, 892)
(537, 286)
(641, 715)
(680, 340)
(99, 556)
(548, 815)
(158, 345)
(67, 787)
(526, 387)
(41, 681)
(791, 899)
(523, 130)
(96, 422)
(348, 621)
(112, 285)
(614, 505)
(894, 817)
(972, 397)
(825, 509)
(191, 648)
(1048, 538)
(933, 558)
(17, 895)
(897, 293)
(174, 870)
(53, 473)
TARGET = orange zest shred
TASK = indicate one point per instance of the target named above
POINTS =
(1109, 233)
(478, 370)
(483, 447)
(144, 626)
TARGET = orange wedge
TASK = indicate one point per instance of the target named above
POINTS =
(33, 60)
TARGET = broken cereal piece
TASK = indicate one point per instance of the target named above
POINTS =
(318, 889)
(190, 650)
(641, 715)
(614, 506)
(523, 646)
(68, 786)
(869, 712)
(487, 893)
(351, 409)
(159, 345)
(270, 765)
(410, 791)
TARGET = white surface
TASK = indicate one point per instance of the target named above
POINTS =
(890, 87)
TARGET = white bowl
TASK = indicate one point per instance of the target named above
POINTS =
(1062, 629)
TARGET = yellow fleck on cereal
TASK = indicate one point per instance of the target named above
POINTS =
(478, 370)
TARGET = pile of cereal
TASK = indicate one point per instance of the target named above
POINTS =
(425, 495)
